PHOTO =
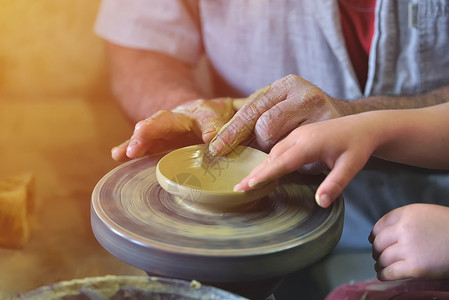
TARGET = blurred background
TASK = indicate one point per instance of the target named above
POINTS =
(48, 48)
(59, 122)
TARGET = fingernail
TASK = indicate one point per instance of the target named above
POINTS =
(131, 145)
(131, 149)
(322, 199)
(215, 146)
(115, 152)
(254, 182)
(238, 187)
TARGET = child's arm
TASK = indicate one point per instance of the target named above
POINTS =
(418, 137)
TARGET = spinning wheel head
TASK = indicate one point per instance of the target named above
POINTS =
(142, 224)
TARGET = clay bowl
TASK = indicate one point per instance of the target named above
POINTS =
(201, 181)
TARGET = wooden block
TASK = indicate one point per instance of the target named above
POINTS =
(16, 210)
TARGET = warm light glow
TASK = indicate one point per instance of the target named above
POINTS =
(48, 48)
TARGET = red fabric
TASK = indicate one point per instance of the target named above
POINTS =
(357, 22)
(393, 290)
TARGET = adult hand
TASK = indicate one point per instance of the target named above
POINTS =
(194, 122)
(412, 242)
(275, 111)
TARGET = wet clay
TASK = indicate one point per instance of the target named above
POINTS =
(192, 174)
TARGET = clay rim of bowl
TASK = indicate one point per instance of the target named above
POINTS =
(244, 157)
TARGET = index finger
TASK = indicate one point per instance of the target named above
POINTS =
(242, 123)
(387, 220)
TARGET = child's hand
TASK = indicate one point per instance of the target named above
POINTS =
(343, 144)
(412, 242)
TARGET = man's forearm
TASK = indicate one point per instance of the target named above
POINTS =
(437, 96)
(145, 82)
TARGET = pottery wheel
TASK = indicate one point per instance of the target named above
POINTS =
(140, 223)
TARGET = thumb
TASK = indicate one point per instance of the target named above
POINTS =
(209, 116)
(242, 124)
(209, 127)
